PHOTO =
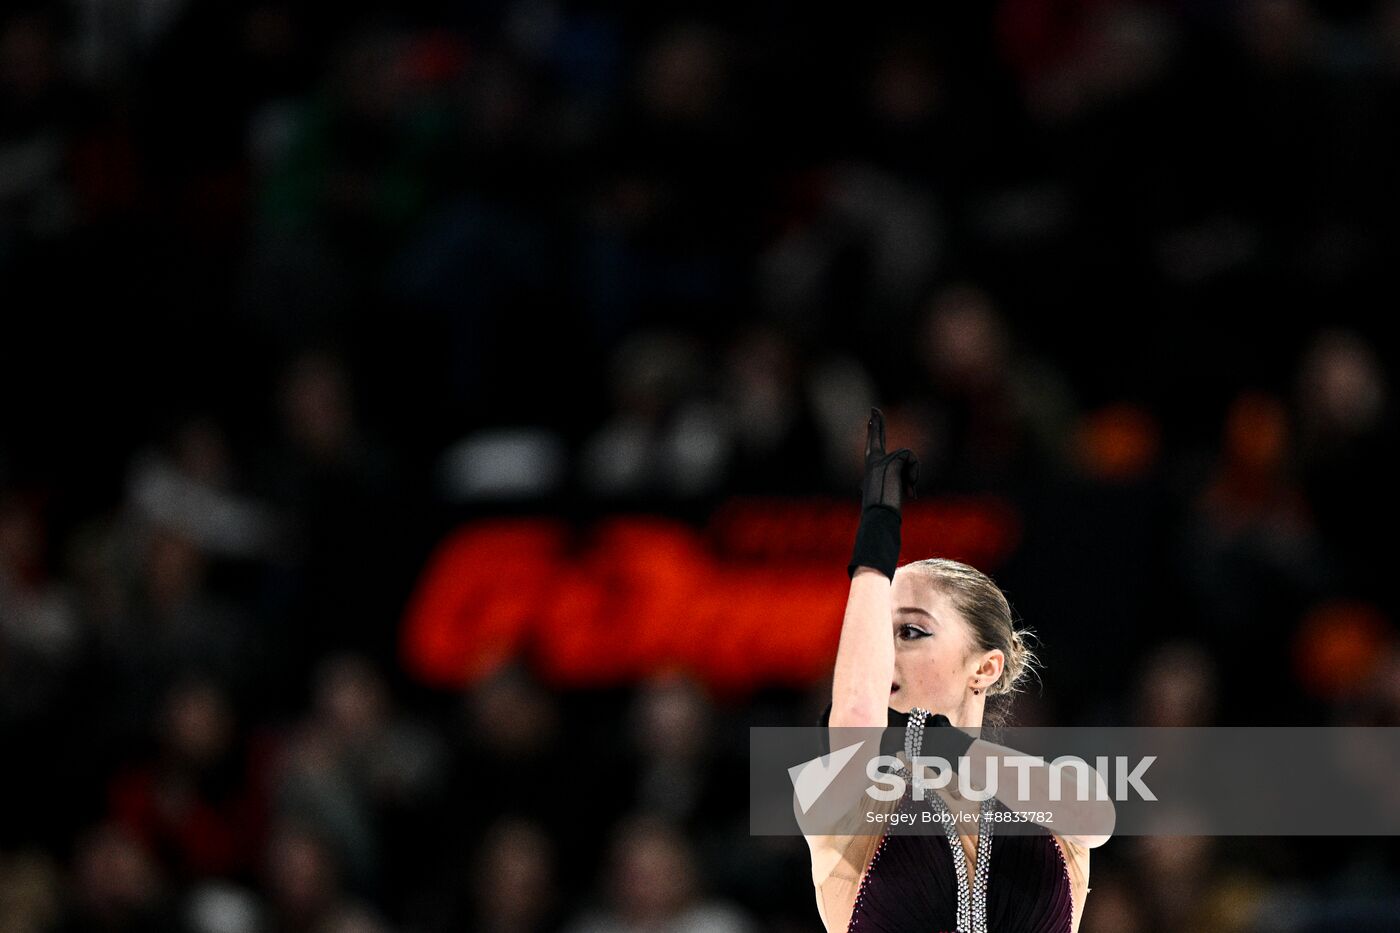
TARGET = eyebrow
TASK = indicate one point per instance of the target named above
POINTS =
(918, 609)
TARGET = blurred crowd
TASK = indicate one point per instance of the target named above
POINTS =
(289, 290)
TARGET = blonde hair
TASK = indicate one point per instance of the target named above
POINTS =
(982, 603)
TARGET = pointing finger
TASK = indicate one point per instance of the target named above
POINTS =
(875, 435)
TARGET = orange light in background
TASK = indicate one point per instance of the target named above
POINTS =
(755, 599)
(1256, 432)
(1339, 647)
(468, 614)
(1118, 443)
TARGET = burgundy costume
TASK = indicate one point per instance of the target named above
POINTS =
(911, 885)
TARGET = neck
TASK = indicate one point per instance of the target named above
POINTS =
(969, 714)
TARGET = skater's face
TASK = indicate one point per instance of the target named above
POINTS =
(937, 661)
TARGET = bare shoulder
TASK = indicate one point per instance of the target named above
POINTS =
(838, 863)
(841, 856)
(1076, 856)
(1074, 848)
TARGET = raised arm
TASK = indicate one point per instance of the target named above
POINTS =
(860, 689)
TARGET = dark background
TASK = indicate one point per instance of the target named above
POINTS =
(288, 291)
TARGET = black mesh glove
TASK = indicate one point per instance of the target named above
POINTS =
(888, 479)
(941, 738)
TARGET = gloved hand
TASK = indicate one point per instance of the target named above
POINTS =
(941, 738)
(889, 477)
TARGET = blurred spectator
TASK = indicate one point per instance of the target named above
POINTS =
(30, 893)
(40, 635)
(337, 483)
(492, 466)
(666, 438)
(840, 393)
(1178, 688)
(769, 419)
(670, 187)
(1346, 451)
(1379, 703)
(187, 492)
(872, 242)
(168, 623)
(357, 772)
(672, 731)
(1179, 869)
(200, 805)
(992, 413)
(353, 174)
(509, 882)
(37, 112)
(651, 884)
(219, 907)
(1253, 549)
(303, 881)
(515, 882)
(504, 751)
(117, 885)
(1341, 393)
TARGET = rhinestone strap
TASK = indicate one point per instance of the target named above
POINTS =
(914, 734)
(972, 897)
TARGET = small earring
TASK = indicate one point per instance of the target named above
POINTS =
(976, 692)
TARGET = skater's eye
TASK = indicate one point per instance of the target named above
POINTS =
(909, 632)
